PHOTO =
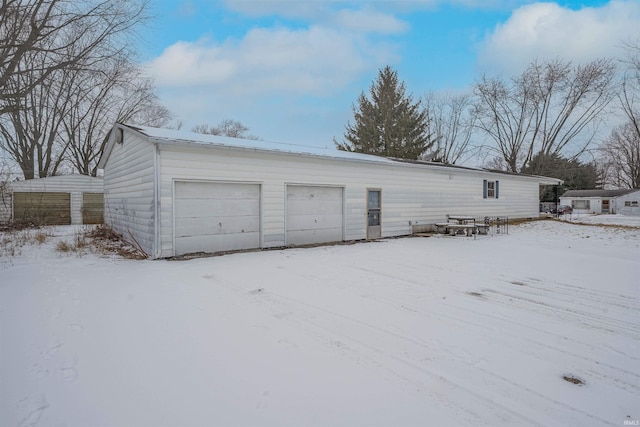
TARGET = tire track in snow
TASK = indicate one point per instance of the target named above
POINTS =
(460, 381)
(569, 297)
(618, 379)
(587, 319)
(584, 316)
(328, 332)
(617, 375)
(463, 322)
(581, 291)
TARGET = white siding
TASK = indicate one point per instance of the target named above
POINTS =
(5, 207)
(409, 192)
(129, 191)
(632, 210)
(60, 184)
(74, 184)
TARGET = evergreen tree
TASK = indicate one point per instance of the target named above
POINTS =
(388, 123)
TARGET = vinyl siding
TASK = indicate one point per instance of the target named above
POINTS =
(5, 207)
(410, 193)
(620, 208)
(129, 191)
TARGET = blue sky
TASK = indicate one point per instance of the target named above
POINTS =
(291, 70)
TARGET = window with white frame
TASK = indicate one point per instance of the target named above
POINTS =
(581, 204)
(490, 189)
(631, 203)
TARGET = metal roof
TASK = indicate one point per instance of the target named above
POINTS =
(597, 193)
(179, 137)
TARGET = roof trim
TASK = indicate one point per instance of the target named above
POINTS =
(169, 137)
(599, 192)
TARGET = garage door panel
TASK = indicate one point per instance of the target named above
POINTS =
(215, 190)
(215, 217)
(323, 207)
(314, 214)
(217, 225)
(302, 192)
(303, 222)
(92, 208)
(193, 208)
(220, 242)
(42, 208)
(304, 237)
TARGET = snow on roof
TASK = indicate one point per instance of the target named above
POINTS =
(171, 136)
(178, 137)
(597, 193)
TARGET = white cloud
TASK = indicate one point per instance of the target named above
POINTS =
(547, 30)
(317, 60)
(191, 64)
(369, 21)
(186, 8)
(265, 78)
(349, 15)
(288, 9)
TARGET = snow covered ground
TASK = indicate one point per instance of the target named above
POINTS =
(415, 331)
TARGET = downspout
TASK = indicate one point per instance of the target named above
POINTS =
(156, 207)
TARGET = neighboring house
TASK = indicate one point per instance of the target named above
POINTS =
(172, 193)
(54, 200)
(623, 202)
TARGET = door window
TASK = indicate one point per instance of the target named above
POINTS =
(373, 204)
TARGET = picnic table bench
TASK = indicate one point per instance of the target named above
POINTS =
(467, 229)
(454, 228)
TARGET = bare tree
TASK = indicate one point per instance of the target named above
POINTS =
(451, 121)
(551, 107)
(622, 151)
(622, 148)
(68, 33)
(48, 49)
(630, 96)
(29, 131)
(117, 93)
(226, 127)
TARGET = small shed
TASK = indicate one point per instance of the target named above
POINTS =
(54, 200)
(597, 201)
(172, 192)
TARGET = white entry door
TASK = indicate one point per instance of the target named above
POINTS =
(314, 214)
(216, 217)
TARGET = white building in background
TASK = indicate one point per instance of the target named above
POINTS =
(172, 193)
(54, 200)
(624, 202)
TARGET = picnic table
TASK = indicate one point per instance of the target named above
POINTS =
(458, 224)
(461, 219)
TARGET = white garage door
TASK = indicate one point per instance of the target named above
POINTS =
(314, 214)
(214, 217)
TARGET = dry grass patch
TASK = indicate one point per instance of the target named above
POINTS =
(100, 239)
(12, 240)
(105, 240)
(63, 246)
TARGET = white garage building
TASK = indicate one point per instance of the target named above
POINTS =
(172, 193)
(54, 200)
